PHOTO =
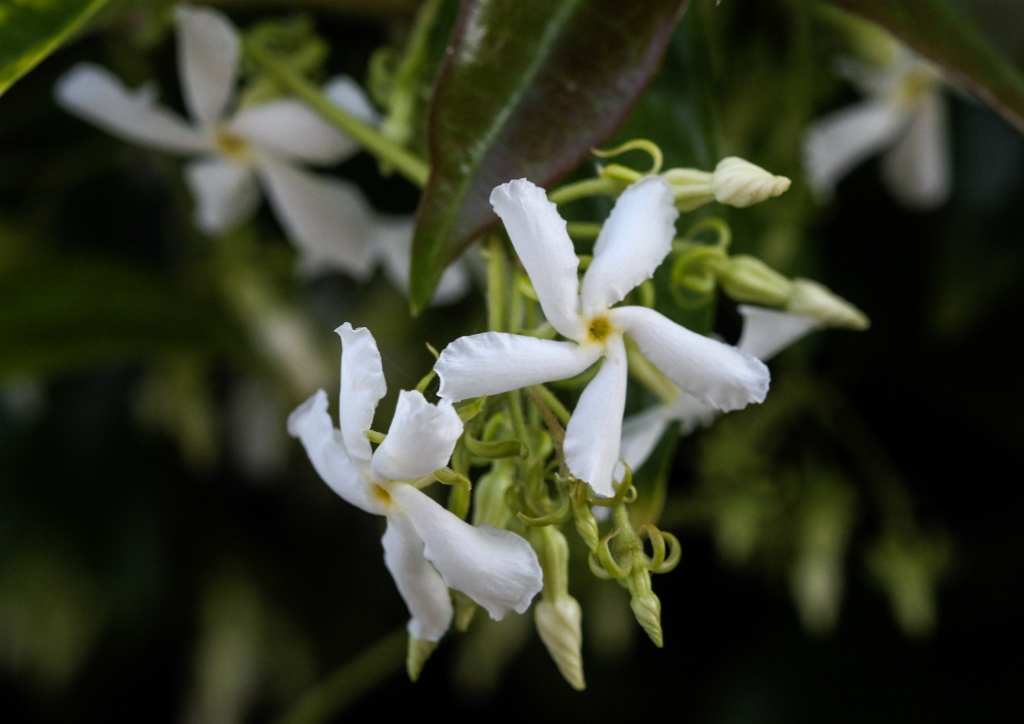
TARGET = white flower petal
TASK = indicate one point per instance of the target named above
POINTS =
(290, 129)
(715, 373)
(766, 332)
(208, 50)
(917, 168)
(312, 425)
(421, 438)
(362, 386)
(633, 241)
(690, 413)
(394, 247)
(349, 96)
(93, 93)
(640, 435)
(496, 568)
(542, 242)
(493, 362)
(594, 432)
(836, 144)
(421, 586)
(225, 193)
(324, 216)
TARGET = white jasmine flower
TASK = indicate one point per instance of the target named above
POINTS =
(427, 548)
(389, 239)
(905, 112)
(635, 239)
(766, 332)
(264, 142)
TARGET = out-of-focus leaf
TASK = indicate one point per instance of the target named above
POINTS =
(32, 29)
(527, 90)
(71, 314)
(934, 29)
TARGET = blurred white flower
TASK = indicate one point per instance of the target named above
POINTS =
(389, 239)
(426, 547)
(265, 142)
(904, 112)
(766, 332)
(634, 240)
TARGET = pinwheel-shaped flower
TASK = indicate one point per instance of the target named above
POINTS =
(904, 112)
(766, 332)
(427, 548)
(635, 239)
(263, 141)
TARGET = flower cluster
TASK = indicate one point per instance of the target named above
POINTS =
(633, 242)
(427, 548)
(547, 464)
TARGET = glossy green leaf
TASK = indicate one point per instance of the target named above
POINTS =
(62, 315)
(934, 29)
(527, 90)
(32, 29)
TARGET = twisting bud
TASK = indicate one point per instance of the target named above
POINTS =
(558, 623)
(740, 183)
(558, 615)
(734, 182)
(815, 300)
(645, 604)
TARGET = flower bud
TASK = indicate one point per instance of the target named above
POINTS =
(748, 279)
(815, 300)
(910, 569)
(647, 610)
(557, 614)
(740, 183)
(823, 534)
(645, 604)
(558, 623)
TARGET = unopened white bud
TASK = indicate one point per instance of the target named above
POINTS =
(558, 623)
(815, 300)
(740, 183)
(748, 279)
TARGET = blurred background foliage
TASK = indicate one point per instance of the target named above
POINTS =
(851, 548)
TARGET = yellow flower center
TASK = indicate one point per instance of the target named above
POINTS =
(914, 86)
(599, 329)
(228, 144)
(380, 494)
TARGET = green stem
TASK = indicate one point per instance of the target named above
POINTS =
(553, 402)
(515, 412)
(350, 682)
(496, 281)
(583, 229)
(412, 167)
(398, 124)
(588, 187)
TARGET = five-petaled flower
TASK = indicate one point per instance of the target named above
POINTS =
(634, 240)
(905, 112)
(427, 548)
(263, 141)
(766, 332)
